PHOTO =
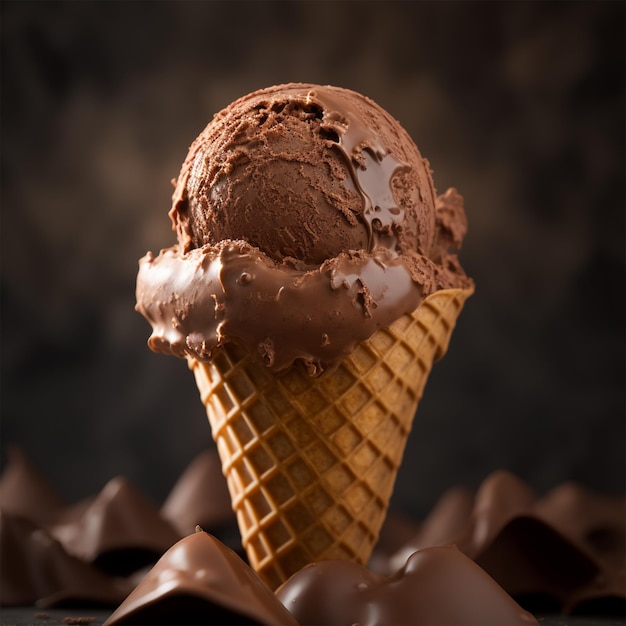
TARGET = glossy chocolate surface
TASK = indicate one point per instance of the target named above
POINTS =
(201, 581)
(306, 219)
(560, 552)
(436, 586)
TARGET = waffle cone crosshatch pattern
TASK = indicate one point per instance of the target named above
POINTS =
(311, 463)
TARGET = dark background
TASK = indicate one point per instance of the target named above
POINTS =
(520, 105)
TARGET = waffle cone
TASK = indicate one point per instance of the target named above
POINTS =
(311, 462)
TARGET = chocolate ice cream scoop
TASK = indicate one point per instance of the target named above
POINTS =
(306, 219)
(307, 172)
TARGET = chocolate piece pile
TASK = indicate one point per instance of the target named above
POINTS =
(563, 552)
(201, 580)
(93, 552)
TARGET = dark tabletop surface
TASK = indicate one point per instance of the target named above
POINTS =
(32, 616)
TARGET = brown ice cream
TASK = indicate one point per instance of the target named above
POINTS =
(306, 220)
(313, 286)
(299, 171)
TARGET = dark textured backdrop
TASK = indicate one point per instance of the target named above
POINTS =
(519, 105)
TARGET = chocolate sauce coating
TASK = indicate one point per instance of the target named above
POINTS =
(306, 220)
(436, 586)
(237, 293)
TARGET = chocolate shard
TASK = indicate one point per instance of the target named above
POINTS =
(37, 570)
(447, 521)
(563, 552)
(24, 491)
(199, 580)
(120, 531)
(596, 523)
(199, 497)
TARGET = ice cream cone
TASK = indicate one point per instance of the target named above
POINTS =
(311, 462)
